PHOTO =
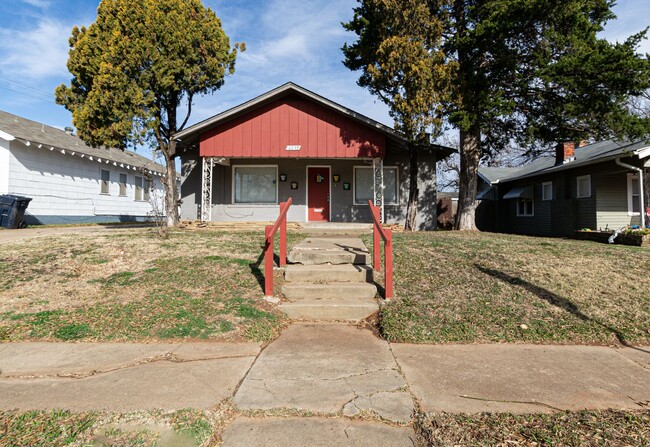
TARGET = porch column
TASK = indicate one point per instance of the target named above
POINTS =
(206, 189)
(378, 177)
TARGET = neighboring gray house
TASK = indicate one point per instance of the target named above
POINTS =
(290, 142)
(597, 186)
(70, 182)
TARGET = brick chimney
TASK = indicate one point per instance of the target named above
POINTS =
(564, 153)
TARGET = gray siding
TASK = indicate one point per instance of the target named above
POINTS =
(605, 208)
(343, 208)
(611, 201)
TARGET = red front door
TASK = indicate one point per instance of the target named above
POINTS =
(318, 195)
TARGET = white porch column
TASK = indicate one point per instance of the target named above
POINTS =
(378, 177)
(206, 189)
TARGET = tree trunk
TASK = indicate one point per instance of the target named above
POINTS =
(412, 208)
(171, 187)
(470, 154)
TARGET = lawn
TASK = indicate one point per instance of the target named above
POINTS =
(131, 285)
(457, 287)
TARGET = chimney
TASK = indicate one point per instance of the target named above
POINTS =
(564, 153)
(69, 130)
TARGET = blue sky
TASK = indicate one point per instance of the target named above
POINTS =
(287, 40)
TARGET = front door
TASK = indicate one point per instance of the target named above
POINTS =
(318, 194)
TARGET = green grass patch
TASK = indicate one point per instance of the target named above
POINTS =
(43, 428)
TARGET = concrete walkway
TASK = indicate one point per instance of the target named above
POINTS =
(342, 385)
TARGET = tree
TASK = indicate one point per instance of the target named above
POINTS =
(396, 51)
(528, 72)
(136, 66)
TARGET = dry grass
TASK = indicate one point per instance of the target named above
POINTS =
(574, 429)
(483, 287)
(133, 285)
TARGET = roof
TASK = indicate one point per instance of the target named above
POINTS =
(584, 156)
(31, 133)
(193, 131)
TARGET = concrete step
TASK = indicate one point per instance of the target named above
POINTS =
(340, 308)
(317, 251)
(322, 273)
(294, 291)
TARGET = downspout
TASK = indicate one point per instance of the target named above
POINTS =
(641, 188)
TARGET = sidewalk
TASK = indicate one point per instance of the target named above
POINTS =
(342, 385)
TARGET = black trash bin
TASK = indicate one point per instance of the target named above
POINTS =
(12, 211)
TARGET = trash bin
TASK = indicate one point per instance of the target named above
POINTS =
(12, 211)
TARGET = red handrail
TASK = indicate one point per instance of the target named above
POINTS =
(387, 236)
(269, 235)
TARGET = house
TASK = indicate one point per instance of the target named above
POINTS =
(597, 186)
(290, 142)
(70, 182)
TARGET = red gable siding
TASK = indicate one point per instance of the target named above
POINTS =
(266, 133)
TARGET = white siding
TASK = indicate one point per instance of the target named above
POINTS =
(68, 185)
(4, 166)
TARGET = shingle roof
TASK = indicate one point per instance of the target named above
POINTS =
(584, 156)
(35, 134)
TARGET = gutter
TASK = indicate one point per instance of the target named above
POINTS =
(641, 188)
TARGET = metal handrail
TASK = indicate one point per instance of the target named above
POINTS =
(269, 235)
(387, 236)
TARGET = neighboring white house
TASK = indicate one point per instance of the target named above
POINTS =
(71, 182)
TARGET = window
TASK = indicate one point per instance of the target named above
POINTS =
(364, 185)
(583, 186)
(547, 191)
(138, 187)
(255, 184)
(122, 184)
(525, 207)
(147, 189)
(633, 196)
(106, 181)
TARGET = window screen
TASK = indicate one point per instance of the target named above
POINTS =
(255, 184)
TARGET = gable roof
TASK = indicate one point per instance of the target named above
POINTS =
(584, 156)
(31, 133)
(191, 133)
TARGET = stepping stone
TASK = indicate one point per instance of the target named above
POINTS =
(321, 368)
(315, 432)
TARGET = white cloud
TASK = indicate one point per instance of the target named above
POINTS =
(42, 4)
(36, 53)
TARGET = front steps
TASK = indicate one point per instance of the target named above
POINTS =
(329, 280)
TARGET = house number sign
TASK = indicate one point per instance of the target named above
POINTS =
(295, 147)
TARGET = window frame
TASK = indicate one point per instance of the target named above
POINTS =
(232, 185)
(354, 185)
(123, 186)
(546, 198)
(631, 178)
(138, 189)
(527, 212)
(578, 179)
(103, 182)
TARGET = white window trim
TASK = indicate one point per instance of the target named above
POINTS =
(532, 208)
(630, 179)
(101, 182)
(232, 185)
(354, 184)
(581, 177)
(544, 185)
